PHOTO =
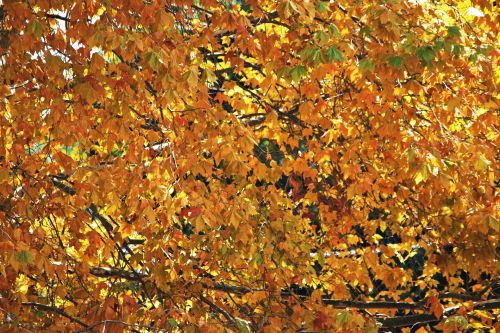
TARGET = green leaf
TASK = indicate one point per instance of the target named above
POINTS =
(117, 152)
(366, 65)
(426, 54)
(371, 328)
(457, 49)
(309, 54)
(242, 325)
(474, 58)
(315, 56)
(39, 314)
(334, 54)
(457, 322)
(283, 72)
(298, 72)
(321, 259)
(152, 59)
(172, 322)
(439, 43)
(396, 61)
(453, 31)
(259, 259)
(35, 28)
(25, 257)
(322, 6)
(334, 30)
(366, 31)
(343, 318)
(321, 37)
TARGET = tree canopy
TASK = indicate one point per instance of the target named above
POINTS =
(249, 166)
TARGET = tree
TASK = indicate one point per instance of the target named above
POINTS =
(248, 165)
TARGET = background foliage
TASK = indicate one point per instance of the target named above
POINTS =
(248, 166)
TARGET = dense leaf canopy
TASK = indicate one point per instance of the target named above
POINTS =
(248, 165)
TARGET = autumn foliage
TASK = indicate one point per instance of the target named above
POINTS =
(249, 166)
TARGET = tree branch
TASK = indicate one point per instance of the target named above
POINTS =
(52, 309)
(405, 321)
(117, 273)
(218, 309)
(340, 304)
(58, 17)
(110, 321)
(424, 318)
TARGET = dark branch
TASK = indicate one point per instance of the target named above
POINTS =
(426, 318)
(58, 17)
(60, 312)
(117, 273)
(217, 309)
(341, 304)
(63, 187)
(94, 213)
(405, 321)
(111, 321)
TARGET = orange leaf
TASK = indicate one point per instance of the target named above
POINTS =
(435, 306)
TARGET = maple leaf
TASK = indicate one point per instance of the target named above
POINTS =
(396, 61)
(435, 306)
(334, 54)
(191, 212)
